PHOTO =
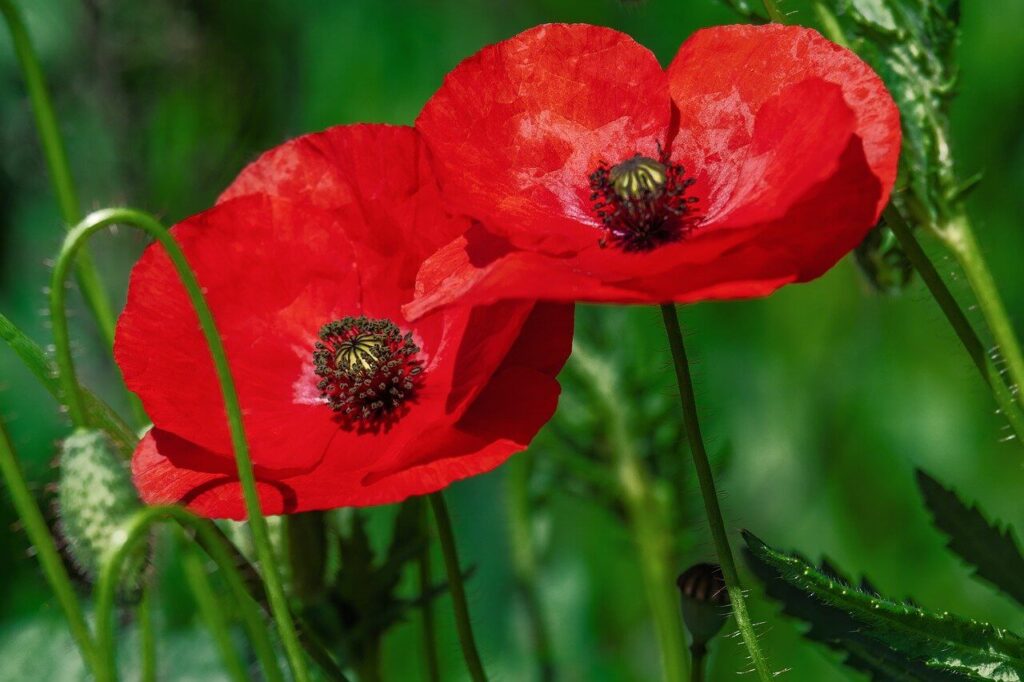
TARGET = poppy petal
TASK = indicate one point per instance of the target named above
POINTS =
(722, 76)
(516, 129)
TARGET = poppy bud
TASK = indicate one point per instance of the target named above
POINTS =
(96, 499)
(705, 602)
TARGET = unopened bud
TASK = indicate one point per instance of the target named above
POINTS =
(96, 500)
(705, 601)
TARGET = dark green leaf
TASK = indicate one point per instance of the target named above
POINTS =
(942, 642)
(911, 43)
(839, 631)
(990, 548)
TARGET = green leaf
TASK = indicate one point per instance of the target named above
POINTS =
(990, 548)
(942, 642)
(839, 631)
(910, 43)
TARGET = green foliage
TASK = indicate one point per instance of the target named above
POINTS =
(911, 45)
(990, 548)
(364, 599)
(889, 639)
(883, 261)
(96, 500)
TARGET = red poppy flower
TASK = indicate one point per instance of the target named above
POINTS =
(758, 158)
(306, 262)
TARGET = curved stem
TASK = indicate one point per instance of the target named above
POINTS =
(427, 607)
(959, 238)
(458, 590)
(957, 319)
(524, 561)
(52, 565)
(648, 526)
(57, 161)
(708, 492)
(214, 545)
(774, 13)
(44, 371)
(210, 610)
(75, 239)
(147, 635)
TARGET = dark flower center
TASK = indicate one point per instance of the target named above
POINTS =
(642, 202)
(368, 370)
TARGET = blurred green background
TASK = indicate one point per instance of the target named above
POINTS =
(821, 399)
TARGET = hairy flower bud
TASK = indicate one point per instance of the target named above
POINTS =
(96, 499)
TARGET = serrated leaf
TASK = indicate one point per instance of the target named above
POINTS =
(839, 631)
(990, 548)
(942, 641)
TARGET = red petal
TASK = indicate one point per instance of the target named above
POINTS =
(379, 173)
(272, 272)
(518, 400)
(722, 76)
(517, 128)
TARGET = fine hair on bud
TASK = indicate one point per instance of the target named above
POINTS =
(95, 503)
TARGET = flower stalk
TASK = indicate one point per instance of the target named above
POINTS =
(46, 549)
(1008, 407)
(76, 408)
(958, 236)
(706, 479)
(463, 623)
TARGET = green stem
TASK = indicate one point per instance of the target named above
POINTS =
(698, 657)
(147, 635)
(646, 519)
(957, 319)
(458, 590)
(75, 239)
(56, 160)
(426, 586)
(774, 13)
(251, 584)
(210, 610)
(524, 561)
(708, 492)
(46, 550)
(45, 372)
(830, 24)
(958, 236)
(217, 549)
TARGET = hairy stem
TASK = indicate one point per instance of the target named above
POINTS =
(217, 549)
(648, 526)
(76, 238)
(52, 565)
(707, 489)
(774, 13)
(957, 319)
(958, 236)
(458, 591)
